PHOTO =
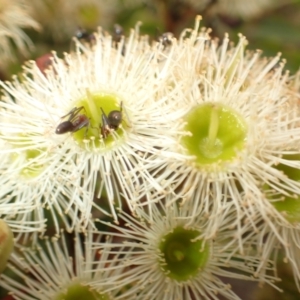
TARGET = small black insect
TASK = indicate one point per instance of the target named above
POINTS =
(117, 38)
(166, 39)
(84, 35)
(111, 121)
(118, 33)
(74, 123)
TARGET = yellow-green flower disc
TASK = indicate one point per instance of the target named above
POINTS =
(217, 133)
(289, 206)
(78, 291)
(30, 157)
(92, 109)
(183, 256)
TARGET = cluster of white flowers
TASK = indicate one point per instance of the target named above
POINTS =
(14, 17)
(189, 146)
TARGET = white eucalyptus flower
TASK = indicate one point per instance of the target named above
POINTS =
(171, 258)
(17, 196)
(14, 17)
(29, 164)
(237, 124)
(279, 226)
(54, 270)
(94, 126)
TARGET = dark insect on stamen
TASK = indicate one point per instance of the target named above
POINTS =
(74, 123)
(111, 121)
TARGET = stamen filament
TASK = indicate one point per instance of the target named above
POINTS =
(213, 127)
(92, 107)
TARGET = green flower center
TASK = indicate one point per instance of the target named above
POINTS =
(79, 292)
(289, 206)
(29, 158)
(105, 115)
(183, 256)
(217, 133)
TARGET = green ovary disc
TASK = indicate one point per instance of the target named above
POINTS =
(290, 206)
(92, 105)
(78, 291)
(217, 133)
(183, 258)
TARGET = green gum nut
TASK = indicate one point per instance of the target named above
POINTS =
(78, 291)
(289, 206)
(91, 108)
(183, 257)
(217, 133)
(6, 244)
